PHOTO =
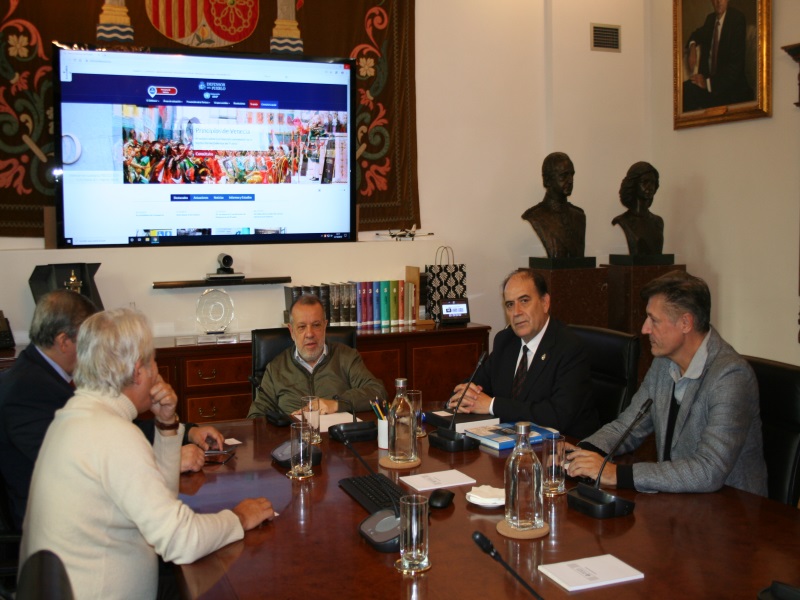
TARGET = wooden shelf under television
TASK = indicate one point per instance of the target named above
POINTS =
(171, 285)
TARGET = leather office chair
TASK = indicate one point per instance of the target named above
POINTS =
(779, 400)
(614, 360)
(268, 343)
(43, 577)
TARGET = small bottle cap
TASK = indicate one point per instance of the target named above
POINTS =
(523, 427)
(401, 382)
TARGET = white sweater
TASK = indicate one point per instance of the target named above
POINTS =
(106, 503)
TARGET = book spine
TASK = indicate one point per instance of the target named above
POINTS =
(352, 289)
(325, 298)
(386, 315)
(362, 303)
(486, 441)
(368, 324)
(394, 303)
(412, 300)
(401, 303)
(376, 304)
(335, 305)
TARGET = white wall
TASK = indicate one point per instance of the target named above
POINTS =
(499, 85)
(729, 195)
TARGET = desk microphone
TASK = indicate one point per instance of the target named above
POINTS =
(274, 413)
(486, 545)
(381, 529)
(357, 431)
(594, 502)
(447, 438)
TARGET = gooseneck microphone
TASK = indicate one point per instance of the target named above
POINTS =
(275, 414)
(466, 387)
(486, 545)
(594, 502)
(639, 416)
(447, 438)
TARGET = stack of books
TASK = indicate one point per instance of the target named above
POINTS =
(390, 304)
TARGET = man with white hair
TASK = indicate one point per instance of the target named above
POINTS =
(101, 497)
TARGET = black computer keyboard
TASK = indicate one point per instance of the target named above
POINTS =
(373, 492)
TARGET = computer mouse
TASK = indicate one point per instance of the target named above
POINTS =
(441, 498)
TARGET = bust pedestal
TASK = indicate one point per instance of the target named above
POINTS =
(577, 295)
(641, 259)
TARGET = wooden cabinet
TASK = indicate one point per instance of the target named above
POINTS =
(212, 380)
(432, 360)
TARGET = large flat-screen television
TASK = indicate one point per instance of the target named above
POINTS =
(173, 148)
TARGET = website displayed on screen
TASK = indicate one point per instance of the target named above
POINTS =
(183, 149)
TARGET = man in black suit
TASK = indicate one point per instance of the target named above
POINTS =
(552, 386)
(40, 383)
(720, 78)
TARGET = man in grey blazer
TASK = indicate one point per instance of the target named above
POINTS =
(705, 411)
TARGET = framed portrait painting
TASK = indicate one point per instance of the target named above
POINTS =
(722, 68)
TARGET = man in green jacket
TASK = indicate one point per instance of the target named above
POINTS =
(333, 372)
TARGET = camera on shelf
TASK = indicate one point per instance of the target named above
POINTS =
(225, 264)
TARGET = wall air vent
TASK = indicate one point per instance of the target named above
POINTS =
(605, 38)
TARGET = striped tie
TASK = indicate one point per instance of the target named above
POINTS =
(519, 376)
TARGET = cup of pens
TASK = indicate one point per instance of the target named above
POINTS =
(383, 424)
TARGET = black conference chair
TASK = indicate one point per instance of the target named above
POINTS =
(43, 577)
(614, 360)
(268, 343)
(779, 401)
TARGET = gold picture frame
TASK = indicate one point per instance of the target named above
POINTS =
(744, 66)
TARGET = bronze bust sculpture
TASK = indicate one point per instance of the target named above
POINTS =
(644, 231)
(561, 226)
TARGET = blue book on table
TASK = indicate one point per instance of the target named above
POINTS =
(503, 435)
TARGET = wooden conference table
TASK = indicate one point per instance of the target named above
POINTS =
(727, 544)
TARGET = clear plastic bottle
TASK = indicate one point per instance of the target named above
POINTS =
(402, 426)
(523, 483)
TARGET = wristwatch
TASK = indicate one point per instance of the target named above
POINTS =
(168, 427)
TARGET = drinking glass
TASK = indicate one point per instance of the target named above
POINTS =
(301, 452)
(553, 457)
(415, 396)
(311, 416)
(413, 535)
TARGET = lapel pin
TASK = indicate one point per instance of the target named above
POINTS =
(544, 356)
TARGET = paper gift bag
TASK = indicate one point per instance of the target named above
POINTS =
(446, 280)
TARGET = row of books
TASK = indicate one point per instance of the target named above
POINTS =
(387, 304)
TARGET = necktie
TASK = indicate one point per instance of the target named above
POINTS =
(715, 49)
(519, 376)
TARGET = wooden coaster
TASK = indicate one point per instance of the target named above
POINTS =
(505, 529)
(387, 463)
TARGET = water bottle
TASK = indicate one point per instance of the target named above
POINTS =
(402, 426)
(523, 483)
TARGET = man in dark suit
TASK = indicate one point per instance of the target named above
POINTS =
(720, 78)
(35, 388)
(538, 370)
(40, 383)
